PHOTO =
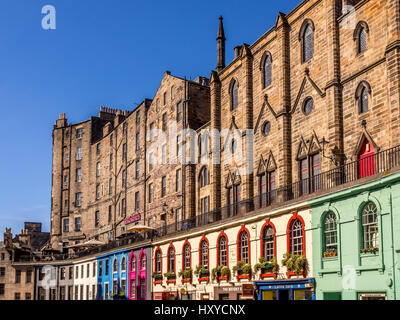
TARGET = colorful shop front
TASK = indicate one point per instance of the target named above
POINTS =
(112, 275)
(296, 289)
(125, 273)
(355, 241)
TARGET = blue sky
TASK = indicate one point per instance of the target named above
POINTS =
(103, 52)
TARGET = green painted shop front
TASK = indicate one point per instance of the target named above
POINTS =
(356, 236)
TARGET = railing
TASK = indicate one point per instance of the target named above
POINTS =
(367, 166)
(352, 171)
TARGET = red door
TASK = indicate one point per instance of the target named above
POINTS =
(367, 160)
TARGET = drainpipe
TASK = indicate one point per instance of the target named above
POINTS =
(185, 96)
(393, 248)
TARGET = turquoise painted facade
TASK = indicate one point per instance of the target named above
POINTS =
(367, 219)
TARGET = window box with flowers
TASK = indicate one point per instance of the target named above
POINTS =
(370, 250)
(295, 264)
(186, 275)
(202, 273)
(330, 253)
(242, 270)
(267, 268)
(220, 273)
(158, 278)
(171, 277)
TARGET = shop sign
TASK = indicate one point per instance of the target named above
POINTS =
(231, 289)
(75, 238)
(133, 219)
(290, 286)
(247, 290)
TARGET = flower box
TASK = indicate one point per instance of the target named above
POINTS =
(243, 276)
(204, 279)
(264, 275)
(187, 280)
(171, 281)
(290, 274)
(226, 278)
(157, 282)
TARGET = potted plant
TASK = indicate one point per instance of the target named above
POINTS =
(170, 275)
(242, 270)
(202, 273)
(225, 272)
(186, 274)
(157, 276)
(373, 250)
(267, 267)
(295, 263)
(216, 272)
(330, 253)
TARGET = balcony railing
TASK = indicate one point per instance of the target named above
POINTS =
(349, 172)
(352, 171)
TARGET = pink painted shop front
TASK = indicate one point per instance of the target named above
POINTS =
(137, 276)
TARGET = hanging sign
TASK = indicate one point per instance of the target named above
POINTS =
(133, 219)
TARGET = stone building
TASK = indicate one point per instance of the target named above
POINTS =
(16, 261)
(310, 108)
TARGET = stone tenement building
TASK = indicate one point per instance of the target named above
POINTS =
(101, 178)
(17, 276)
(320, 89)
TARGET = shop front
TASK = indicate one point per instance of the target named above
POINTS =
(240, 292)
(301, 289)
(165, 295)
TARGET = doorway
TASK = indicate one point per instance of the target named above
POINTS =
(284, 295)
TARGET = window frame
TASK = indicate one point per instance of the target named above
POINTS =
(239, 243)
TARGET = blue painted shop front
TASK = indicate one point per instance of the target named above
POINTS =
(296, 289)
(112, 276)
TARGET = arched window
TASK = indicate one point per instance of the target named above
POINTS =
(223, 251)
(362, 41)
(158, 266)
(308, 42)
(267, 71)
(364, 100)
(133, 263)
(243, 246)
(268, 243)
(204, 177)
(143, 262)
(123, 263)
(234, 94)
(362, 96)
(296, 237)
(330, 233)
(186, 256)
(360, 36)
(370, 226)
(204, 254)
(171, 259)
(115, 265)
